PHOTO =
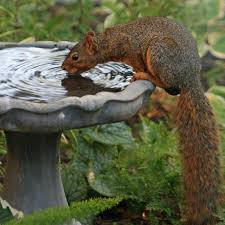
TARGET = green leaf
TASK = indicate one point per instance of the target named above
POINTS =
(110, 134)
(7, 33)
(211, 8)
(99, 184)
(217, 90)
(7, 212)
(218, 103)
(72, 135)
(215, 75)
(4, 9)
(79, 210)
(74, 183)
(219, 43)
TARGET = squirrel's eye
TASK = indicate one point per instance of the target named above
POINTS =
(75, 56)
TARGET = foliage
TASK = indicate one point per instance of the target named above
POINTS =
(145, 170)
(2, 144)
(60, 215)
(216, 74)
(7, 212)
(124, 11)
(150, 173)
(74, 183)
(218, 90)
(43, 20)
(216, 96)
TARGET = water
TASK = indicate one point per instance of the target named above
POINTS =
(35, 74)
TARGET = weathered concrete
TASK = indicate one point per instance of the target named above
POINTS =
(33, 130)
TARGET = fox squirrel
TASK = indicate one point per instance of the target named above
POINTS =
(164, 52)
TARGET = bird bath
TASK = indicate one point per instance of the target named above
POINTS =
(35, 108)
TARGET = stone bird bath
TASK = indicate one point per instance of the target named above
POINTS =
(34, 111)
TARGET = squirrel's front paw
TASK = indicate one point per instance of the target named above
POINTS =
(132, 79)
(140, 76)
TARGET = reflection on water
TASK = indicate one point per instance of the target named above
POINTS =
(34, 74)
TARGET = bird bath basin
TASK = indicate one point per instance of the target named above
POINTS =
(38, 101)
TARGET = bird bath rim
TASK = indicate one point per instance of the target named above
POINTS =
(33, 133)
(128, 94)
(70, 112)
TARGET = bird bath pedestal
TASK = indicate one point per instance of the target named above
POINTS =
(33, 131)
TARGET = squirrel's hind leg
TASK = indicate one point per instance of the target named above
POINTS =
(165, 64)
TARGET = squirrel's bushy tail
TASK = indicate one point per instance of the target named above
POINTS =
(199, 142)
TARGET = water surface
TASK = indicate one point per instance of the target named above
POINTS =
(35, 74)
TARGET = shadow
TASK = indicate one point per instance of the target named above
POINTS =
(80, 86)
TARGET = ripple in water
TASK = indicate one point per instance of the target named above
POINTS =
(35, 74)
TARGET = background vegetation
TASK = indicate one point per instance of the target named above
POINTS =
(126, 162)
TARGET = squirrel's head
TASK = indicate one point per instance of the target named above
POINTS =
(82, 56)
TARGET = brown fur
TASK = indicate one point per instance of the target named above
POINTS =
(164, 52)
(199, 149)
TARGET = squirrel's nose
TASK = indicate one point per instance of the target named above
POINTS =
(63, 67)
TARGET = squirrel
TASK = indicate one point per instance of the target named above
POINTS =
(165, 53)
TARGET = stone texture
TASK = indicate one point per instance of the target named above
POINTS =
(73, 112)
(33, 131)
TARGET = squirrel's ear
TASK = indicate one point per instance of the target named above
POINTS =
(89, 42)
